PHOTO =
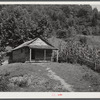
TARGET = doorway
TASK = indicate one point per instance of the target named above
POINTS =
(33, 54)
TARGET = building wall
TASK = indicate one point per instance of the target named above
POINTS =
(27, 54)
(10, 58)
(20, 55)
(23, 54)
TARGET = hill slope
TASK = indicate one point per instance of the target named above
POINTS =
(50, 77)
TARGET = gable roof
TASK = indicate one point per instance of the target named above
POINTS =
(28, 44)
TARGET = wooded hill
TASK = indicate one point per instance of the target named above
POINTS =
(19, 23)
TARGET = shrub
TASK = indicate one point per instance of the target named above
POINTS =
(83, 40)
(4, 83)
(22, 83)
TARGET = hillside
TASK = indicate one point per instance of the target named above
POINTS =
(29, 77)
(49, 77)
(58, 43)
(92, 40)
(20, 23)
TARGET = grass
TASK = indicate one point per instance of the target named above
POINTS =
(92, 40)
(81, 78)
(27, 77)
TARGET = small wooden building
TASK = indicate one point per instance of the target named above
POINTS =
(35, 50)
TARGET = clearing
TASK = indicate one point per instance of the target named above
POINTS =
(51, 77)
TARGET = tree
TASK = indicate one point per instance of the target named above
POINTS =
(95, 17)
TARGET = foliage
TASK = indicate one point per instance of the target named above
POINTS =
(83, 40)
(78, 51)
(22, 83)
(20, 23)
(4, 80)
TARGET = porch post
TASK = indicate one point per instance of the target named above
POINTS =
(57, 56)
(30, 54)
(44, 54)
(52, 55)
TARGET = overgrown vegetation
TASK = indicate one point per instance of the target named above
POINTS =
(4, 81)
(78, 51)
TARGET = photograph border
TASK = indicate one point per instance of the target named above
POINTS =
(42, 95)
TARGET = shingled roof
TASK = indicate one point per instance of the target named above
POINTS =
(27, 44)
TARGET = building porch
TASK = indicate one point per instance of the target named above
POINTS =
(41, 55)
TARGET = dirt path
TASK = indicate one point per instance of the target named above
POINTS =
(53, 75)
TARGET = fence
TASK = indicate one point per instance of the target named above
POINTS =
(90, 63)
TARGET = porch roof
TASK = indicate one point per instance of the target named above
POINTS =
(27, 44)
(42, 47)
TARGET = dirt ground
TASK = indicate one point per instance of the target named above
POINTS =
(51, 77)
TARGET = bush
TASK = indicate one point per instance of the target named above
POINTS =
(83, 40)
(22, 83)
(4, 83)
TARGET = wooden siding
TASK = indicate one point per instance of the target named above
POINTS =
(10, 58)
(27, 54)
(23, 54)
(20, 55)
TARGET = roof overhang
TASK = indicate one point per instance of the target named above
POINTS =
(43, 47)
(28, 44)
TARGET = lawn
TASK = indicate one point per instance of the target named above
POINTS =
(51, 77)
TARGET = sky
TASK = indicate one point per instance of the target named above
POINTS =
(96, 6)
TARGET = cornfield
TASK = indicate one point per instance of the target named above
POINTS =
(77, 52)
